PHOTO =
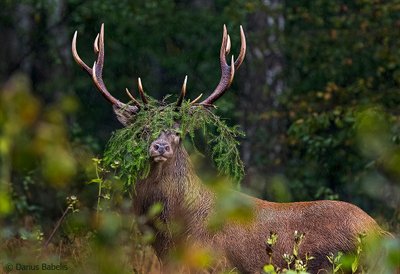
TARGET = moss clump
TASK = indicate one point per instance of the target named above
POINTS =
(129, 146)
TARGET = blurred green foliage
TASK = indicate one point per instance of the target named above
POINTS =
(343, 68)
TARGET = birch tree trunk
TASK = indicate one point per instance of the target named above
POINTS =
(262, 149)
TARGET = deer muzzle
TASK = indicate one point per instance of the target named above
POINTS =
(160, 151)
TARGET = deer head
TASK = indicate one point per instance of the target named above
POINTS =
(162, 149)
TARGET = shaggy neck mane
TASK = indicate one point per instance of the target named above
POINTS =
(175, 184)
(179, 168)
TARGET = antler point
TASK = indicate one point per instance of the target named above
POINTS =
(102, 33)
(228, 45)
(184, 85)
(225, 30)
(196, 99)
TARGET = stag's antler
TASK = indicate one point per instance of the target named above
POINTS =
(97, 75)
(183, 93)
(228, 72)
(125, 111)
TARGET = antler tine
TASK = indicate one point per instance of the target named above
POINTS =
(232, 72)
(97, 71)
(96, 44)
(183, 93)
(141, 92)
(77, 57)
(228, 45)
(227, 71)
(132, 98)
(242, 52)
(196, 99)
(97, 74)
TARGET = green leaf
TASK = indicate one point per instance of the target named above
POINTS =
(96, 180)
(354, 265)
(269, 269)
(155, 210)
(337, 268)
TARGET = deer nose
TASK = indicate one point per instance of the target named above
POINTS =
(161, 148)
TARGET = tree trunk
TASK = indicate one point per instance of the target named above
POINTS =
(262, 149)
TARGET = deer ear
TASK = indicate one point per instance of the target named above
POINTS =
(124, 116)
(177, 139)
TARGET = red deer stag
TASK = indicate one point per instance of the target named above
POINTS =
(329, 226)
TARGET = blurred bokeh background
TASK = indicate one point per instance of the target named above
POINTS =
(318, 97)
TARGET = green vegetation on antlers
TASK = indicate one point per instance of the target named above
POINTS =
(128, 147)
